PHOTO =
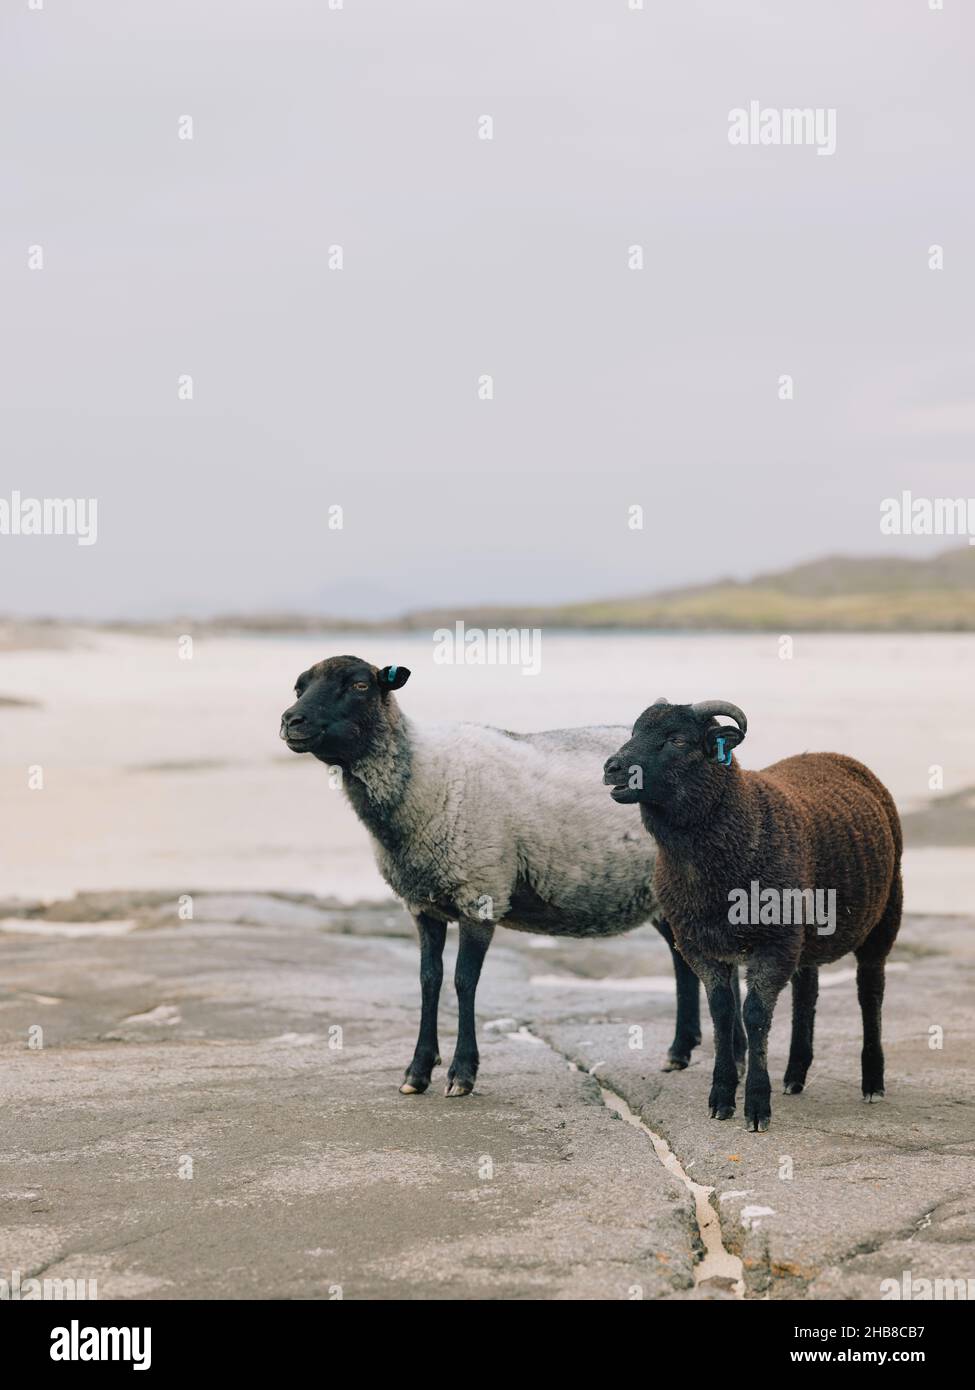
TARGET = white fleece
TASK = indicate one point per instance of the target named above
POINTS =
(485, 818)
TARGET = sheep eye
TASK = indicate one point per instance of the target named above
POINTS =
(361, 685)
(678, 742)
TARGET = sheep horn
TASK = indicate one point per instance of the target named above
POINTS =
(707, 708)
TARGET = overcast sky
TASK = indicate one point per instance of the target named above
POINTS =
(316, 387)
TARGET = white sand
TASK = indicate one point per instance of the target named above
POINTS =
(164, 773)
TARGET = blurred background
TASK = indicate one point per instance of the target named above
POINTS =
(278, 264)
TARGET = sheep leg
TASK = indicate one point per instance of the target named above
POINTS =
(716, 977)
(687, 1030)
(805, 991)
(740, 1042)
(427, 1053)
(766, 980)
(475, 938)
(870, 992)
(871, 959)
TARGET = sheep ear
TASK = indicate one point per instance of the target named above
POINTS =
(719, 741)
(393, 677)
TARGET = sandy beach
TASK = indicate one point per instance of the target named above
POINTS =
(164, 773)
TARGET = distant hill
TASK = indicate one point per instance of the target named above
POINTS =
(951, 571)
(836, 594)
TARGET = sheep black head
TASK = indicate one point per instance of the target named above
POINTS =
(340, 709)
(674, 763)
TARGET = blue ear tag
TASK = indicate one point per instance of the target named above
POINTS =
(391, 675)
(723, 758)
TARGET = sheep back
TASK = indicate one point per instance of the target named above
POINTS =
(514, 828)
(814, 821)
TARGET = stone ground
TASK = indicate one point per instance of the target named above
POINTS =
(260, 1045)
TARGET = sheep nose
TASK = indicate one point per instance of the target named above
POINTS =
(289, 720)
(612, 769)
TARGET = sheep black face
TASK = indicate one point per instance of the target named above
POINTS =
(340, 708)
(673, 762)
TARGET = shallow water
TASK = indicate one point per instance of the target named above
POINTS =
(165, 773)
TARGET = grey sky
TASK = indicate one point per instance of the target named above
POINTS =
(314, 387)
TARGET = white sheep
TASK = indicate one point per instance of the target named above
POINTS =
(481, 826)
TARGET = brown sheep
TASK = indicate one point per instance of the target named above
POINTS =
(738, 853)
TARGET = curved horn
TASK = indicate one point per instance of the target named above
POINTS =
(707, 708)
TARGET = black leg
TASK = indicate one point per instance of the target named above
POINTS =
(871, 960)
(427, 1054)
(805, 991)
(766, 980)
(757, 1016)
(687, 1032)
(721, 1001)
(740, 1042)
(870, 992)
(475, 938)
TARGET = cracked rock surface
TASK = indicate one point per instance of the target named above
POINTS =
(213, 1112)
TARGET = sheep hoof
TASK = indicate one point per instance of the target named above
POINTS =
(871, 1096)
(792, 1088)
(459, 1088)
(413, 1088)
(675, 1063)
(722, 1112)
(758, 1124)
